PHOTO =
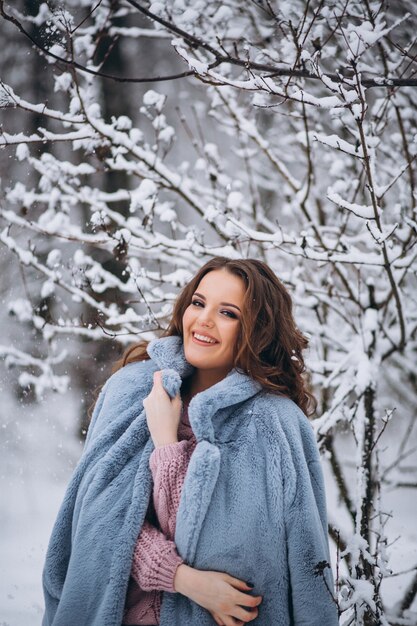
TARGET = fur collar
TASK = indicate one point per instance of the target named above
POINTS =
(168, 353)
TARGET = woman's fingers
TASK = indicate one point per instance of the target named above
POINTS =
(176, 400)
(236, 582)
(237, 619)
(239, 584)
(245, 615)
(244, 599)
(162, 414)
(157, 379)
(219, 593)
(246, 609)
(232, 621)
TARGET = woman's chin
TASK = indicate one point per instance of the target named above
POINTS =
(197, 360)
(198, 356)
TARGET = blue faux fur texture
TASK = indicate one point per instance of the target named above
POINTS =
(252, 504)
(171, 381)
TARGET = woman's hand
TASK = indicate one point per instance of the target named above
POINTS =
(222, 595)
(162, 414)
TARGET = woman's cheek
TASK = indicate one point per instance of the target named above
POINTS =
(186, 320)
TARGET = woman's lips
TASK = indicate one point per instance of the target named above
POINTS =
(203, 343)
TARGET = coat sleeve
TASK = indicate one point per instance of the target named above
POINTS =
(60, 542)
(311, 579)
(117, 406)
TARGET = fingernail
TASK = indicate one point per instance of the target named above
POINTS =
(250, 584)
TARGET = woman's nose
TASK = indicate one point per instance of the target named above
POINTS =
(205, 318)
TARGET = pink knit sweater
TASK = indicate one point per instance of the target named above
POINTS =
(155, 557)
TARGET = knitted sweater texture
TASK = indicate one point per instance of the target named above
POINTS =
(155, 557)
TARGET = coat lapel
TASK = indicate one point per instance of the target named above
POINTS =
(204, 466)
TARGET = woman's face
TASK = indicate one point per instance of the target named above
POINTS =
(215, 312)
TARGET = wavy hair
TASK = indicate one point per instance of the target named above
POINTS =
(269, 346)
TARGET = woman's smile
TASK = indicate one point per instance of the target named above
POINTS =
(207, 341)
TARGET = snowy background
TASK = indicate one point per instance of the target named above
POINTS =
(291, 137)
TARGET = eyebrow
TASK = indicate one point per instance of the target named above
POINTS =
(200, 295)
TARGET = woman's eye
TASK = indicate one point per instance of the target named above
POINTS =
(229, 313)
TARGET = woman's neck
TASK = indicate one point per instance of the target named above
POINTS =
(199, 381)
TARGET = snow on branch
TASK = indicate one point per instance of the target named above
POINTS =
(46, 379)
(365, 212)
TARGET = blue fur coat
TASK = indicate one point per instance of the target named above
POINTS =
(252, 505)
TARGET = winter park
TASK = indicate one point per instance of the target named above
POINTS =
(225, 192)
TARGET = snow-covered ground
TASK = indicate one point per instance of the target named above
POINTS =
(39, 450)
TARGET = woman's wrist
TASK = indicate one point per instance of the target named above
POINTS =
(183, 579)
(165, 442)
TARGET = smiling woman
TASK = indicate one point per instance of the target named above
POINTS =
(258, 310)
(200, 472)
(211, 327)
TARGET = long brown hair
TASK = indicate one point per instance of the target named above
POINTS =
(269, 346)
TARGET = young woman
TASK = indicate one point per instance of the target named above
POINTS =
(200, 474)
